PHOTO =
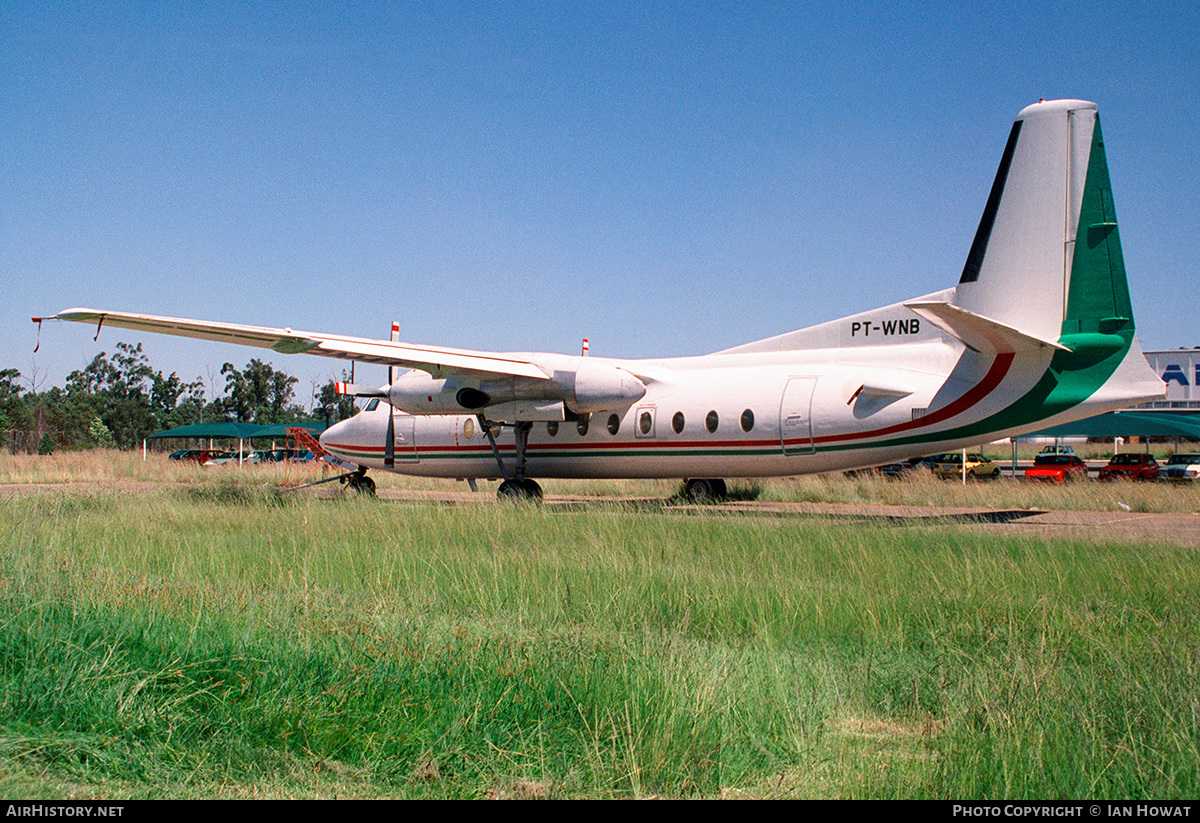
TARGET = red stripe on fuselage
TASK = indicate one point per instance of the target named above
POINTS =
(996, 373)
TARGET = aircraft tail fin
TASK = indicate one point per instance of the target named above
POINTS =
(1046, 259)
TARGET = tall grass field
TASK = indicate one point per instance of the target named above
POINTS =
(205, 637)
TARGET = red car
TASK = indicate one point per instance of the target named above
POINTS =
(1058, 468)
(202, 456)
(1130, 467)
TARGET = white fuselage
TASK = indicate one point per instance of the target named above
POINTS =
(728, 415)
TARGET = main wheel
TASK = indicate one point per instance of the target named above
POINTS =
(519, 490)
(509, 490)
(702, 490)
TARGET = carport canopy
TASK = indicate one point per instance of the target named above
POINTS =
(236, 431)
(1128, 424)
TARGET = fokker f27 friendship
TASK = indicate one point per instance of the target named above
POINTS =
(1039, 331)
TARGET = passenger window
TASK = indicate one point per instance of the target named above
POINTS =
(645, 422)
(582, 426)
(747, 420)
(711, 421)
(469, 428)
(552, 428)
(677, 423)
(614, 424)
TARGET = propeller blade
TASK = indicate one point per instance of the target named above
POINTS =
(389, 448)
(395, 339)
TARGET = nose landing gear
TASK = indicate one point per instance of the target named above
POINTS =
(361, 484)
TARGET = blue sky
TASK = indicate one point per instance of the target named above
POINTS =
(664, 179)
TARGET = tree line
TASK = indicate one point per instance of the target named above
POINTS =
(116, 401)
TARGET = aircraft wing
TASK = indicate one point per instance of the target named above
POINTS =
(439, 362)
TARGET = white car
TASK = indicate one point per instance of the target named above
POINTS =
(1181, 467)
(1059, 449)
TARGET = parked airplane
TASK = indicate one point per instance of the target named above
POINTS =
(1039, 331)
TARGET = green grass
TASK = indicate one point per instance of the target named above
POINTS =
(211, 640)
(96, 470)
(1006, 493)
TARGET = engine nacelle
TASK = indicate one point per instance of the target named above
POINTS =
(584, 388)
(601, 387)
(420, 393)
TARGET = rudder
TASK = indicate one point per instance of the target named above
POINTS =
(1046, 258)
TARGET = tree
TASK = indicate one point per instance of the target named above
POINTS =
(174, 402)
(121, 400)
(332, 406)
(14, 410)
(99, 435)
(259, 394)
(114, 392)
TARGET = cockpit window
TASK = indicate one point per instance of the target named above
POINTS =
(374, 404)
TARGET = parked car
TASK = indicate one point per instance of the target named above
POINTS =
(893, 471)
(1059, 448)
(221, 458)
(266, 456)
(950, 467)
(1182, 467)
(1057, 468)
(1130, 467)
(898, 471)
(200, 456)
(283, 455)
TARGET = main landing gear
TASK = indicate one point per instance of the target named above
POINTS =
(519, 490)
(702, 490)
(516, 486)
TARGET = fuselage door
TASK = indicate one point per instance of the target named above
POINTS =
(795, 416)
(404, 436)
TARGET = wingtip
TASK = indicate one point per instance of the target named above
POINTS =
(75, 313)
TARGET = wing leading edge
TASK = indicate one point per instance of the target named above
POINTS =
(437, 361)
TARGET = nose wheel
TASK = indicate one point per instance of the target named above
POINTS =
(359, 483)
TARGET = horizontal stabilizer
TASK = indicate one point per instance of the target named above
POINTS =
(979, 333)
